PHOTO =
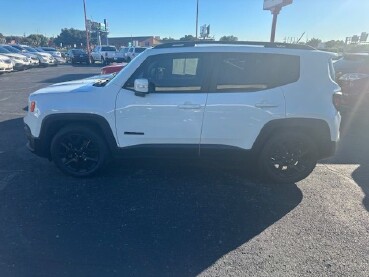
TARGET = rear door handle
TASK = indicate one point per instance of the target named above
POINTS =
(189, 106)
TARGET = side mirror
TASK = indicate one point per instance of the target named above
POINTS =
(141, 87)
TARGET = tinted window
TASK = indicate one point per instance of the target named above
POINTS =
(108, 48)
(140, 49)
(172, 73)
(254, 71)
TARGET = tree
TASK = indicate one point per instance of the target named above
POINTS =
(335, 44)
(37, 40)
(314, 42)
(168, 39)
(187, 38)
(228, 38)
(69, 37)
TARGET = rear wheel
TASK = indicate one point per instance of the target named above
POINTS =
(78, 151)
(288, 158)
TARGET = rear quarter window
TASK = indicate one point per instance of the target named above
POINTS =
(244, 72)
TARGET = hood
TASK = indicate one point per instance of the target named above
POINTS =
(44, 54)
(29, 55)
(4, 58)
(83, 85)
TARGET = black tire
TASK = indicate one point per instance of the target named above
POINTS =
(92, 60)
(79, 151)
(287, 158)
(103, 61)
(128, 60)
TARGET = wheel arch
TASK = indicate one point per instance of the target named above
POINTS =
(51, 124)
(317, 129)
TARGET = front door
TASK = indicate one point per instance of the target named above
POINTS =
(172, 112)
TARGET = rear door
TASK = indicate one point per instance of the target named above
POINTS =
(246, 94)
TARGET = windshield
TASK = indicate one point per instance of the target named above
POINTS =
(78, 51)
(11, 49)
(48, 49)
(30, 49)
(108, 48)
(140, 49)
(4, 51)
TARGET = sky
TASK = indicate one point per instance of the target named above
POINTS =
(245, 19)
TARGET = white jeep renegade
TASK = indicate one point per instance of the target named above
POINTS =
(273, 101)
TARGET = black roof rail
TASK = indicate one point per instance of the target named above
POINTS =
(253, 43)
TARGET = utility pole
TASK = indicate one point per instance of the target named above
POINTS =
(275, 13)
(275, 6)
(87, 31)
(197, 17)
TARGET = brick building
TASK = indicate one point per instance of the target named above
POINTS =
(145, 41)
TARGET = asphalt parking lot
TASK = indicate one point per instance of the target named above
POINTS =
(175, 218)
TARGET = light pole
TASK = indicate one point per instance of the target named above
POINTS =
(197, 17)
(87, 33)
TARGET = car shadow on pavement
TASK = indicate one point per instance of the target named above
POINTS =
(353, 148)
(67, 77)
(137, 218)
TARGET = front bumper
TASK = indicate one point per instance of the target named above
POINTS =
(34, 144)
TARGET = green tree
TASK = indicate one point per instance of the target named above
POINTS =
(168, 39)
(69, 37)
(314, 42)
(38, 40)
(187, 38)
(228, 38)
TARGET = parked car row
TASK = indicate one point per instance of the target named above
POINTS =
(352, 74)
(21, 57)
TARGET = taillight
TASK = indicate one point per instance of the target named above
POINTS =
(337, 100)
(32, 106)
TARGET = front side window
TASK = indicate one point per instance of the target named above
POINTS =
(108, 48)
(247, 72)
(171, 73)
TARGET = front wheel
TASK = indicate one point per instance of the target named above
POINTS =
(288, 158)
(78, 151)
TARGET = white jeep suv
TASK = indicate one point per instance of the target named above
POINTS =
(273, 102)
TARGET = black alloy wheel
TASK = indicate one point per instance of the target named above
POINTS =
(288, 158)
(78, 151)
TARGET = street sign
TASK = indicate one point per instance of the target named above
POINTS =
(276, 4)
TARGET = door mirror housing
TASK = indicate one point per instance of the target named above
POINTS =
(141, 87)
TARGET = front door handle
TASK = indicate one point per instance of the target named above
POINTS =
(265, 105)
(188, 106)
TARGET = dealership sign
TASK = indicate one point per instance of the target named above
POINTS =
(276, 4)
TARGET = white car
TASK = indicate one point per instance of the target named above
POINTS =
(43, 57)
(272, 102)
(6, 64)
(51, 50)
(20, 62)
(33, 59)
(122, 54)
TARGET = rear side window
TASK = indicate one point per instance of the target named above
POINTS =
(247, 72)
